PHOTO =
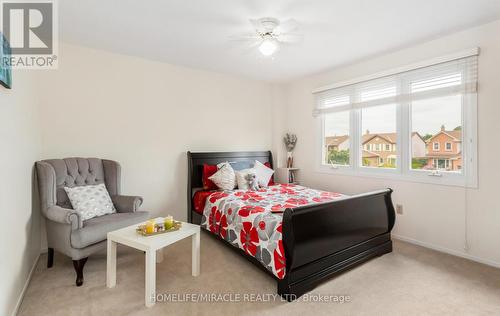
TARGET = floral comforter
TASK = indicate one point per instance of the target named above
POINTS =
(251, 220)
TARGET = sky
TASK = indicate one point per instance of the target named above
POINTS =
(427, 117)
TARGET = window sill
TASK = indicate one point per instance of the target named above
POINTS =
(446, 179)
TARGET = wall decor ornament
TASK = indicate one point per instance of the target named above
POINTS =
(290, 141)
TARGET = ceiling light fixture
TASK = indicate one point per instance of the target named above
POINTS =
(269, 45)
(270, 35)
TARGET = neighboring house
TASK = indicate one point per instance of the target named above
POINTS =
(337, 143)
(418, 145)
(384, 146)
(370, 159)
(444, 150)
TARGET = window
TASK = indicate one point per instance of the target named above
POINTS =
(438, 120)
(410, 124)
(336, 139)
(379, 124)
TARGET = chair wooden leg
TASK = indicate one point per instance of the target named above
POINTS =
(79, 264)
(50, 257)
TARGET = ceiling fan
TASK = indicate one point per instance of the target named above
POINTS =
(270, 34)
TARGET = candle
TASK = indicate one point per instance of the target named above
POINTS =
(150, 227)
(169, 222)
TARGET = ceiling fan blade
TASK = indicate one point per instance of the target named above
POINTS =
(244, 45)
(287, 26)
(245, 37)
(290, 38)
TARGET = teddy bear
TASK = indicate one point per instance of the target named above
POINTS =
(251, 179)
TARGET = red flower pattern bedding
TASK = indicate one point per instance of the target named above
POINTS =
(251, 220)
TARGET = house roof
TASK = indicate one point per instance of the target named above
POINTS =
(335, 140)
(369, 154)
(418, 134)
(455, 135)
(389, 137)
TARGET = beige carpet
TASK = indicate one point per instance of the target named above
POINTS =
(410, 281)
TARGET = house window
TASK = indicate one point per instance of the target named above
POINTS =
(442, 164)
(395, 124)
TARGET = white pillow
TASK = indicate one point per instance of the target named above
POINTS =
(224, 178)
(90, 200)
(263, 173)
(247, 179)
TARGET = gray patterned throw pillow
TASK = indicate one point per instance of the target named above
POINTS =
(90, 200)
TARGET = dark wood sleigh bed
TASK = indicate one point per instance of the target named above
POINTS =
(320, 240)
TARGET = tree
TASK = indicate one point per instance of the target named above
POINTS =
(339, 157)
(427, 137)
(458, 128)
(418, 163)
(366, 162)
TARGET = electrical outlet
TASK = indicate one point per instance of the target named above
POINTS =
(399, 209)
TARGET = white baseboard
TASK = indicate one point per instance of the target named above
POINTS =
(447, 250)
(21, 296)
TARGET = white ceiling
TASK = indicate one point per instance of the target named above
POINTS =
(196, 33)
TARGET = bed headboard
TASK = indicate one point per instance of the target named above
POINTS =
(239, 160)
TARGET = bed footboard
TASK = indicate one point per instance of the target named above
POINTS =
(323, 239)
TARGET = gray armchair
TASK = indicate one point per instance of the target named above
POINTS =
(66, 232)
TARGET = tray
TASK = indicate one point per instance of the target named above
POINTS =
(141, 229)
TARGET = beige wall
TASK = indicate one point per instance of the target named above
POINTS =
(433, 215)
(146, 115)
(20, 221)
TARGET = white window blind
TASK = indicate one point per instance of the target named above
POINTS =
(457, 76)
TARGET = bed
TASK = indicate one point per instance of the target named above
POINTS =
(300, 236)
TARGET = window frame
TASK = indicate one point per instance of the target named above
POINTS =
(403, 171)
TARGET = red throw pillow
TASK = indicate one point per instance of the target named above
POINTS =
(271, 181)
(208, 171)
(199, 200)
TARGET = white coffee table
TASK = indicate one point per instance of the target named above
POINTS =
(129, 237)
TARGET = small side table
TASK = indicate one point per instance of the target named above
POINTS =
(150, 244)
(287, 175)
